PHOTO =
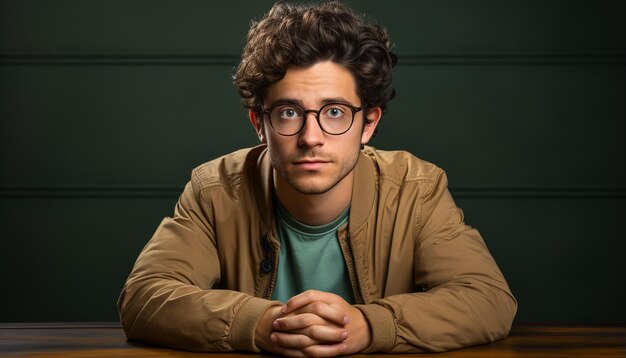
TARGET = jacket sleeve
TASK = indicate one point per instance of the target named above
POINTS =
(169, 299)
(463, 298)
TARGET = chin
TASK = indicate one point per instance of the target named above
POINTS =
(309, 188)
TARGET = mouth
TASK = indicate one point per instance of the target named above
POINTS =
(310, 164)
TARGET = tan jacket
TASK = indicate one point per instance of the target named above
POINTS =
(423, 279)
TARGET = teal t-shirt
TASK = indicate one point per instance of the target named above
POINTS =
(310, 258)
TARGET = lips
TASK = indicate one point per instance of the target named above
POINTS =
(311, 164)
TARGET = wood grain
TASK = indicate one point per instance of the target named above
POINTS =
(108, 340)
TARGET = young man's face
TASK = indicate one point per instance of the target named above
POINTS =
(312, 161)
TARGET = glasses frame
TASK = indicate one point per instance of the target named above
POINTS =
(305, 113)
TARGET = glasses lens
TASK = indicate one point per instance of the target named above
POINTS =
(336, 118)
(287, 119)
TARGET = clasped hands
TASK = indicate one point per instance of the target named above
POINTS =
(313, 324)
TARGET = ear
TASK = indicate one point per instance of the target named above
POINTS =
(257, 123)
(373, 116)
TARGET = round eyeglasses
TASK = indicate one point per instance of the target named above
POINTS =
(334, 118)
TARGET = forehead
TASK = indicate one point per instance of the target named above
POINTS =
(314, 84)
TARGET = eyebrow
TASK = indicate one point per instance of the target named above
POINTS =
(300, 103)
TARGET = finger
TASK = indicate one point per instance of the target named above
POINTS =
(298, 321)
(323, 310)
(293, 340)
(302, 300)
(322, 350)
(313, 334)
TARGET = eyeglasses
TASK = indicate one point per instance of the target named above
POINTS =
(334, 118)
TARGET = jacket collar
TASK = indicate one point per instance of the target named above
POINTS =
(363, 191)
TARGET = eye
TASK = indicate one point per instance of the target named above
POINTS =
(335, 112)
(288, 113)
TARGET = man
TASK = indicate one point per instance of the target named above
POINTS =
(313, 244)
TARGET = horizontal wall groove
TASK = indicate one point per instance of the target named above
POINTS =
(539, 193)
(90, 192)
(232, 60)
(123, 60)
(512, 59)
(60, 325)
(174, 192)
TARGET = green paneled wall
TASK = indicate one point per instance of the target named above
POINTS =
(106, 106)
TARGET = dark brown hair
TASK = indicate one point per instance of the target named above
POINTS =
(302, 35)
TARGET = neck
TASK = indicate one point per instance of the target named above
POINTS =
(315, 209)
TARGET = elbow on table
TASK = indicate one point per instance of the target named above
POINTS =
(127, 313)
(505, 309)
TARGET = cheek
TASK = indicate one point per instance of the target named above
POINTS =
(276, 158)
(350, 146)
(276, 148)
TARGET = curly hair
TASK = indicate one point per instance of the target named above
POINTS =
(302, 35)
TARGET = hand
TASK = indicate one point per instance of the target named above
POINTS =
(316, 323)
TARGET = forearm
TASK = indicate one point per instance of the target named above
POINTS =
(173, 314)
(448, 317)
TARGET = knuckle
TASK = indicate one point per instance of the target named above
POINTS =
(317, 307)
(310, 294)
(302, 341)
(279, 340)
(315, 331)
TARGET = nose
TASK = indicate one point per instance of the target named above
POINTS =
(311, 134)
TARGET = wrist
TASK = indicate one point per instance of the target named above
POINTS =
(264, 328)
(364, 331)
(382, 326)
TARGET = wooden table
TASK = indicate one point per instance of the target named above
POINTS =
(108, 340)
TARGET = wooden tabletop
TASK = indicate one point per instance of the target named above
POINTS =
(108, 340)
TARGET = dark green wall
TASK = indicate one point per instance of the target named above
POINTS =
(106, 106)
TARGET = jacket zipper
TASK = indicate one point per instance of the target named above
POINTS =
(356, 273)
(270, 284)
(270, 255)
